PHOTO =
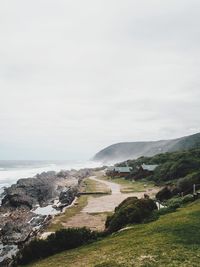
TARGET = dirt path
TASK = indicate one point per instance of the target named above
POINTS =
(109, 202)
(93, 215)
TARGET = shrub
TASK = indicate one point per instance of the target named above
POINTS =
(174, 202)
(187, 198)
(164, 211)
(61, 240)
(131, 210)
(186, 184)
(177, 202)
(164, 194)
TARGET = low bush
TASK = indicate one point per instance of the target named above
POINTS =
(175, 202)
(131, 210)
(157, 213)
(64, 239)
(164, 194)
(186, 184)
(187, 198)
(164, 211)
(179, 201)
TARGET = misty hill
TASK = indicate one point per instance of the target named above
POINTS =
(131, 150)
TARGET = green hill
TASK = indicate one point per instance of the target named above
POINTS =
(130, 150)
(172, 240)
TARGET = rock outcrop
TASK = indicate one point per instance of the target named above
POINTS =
(18, 221)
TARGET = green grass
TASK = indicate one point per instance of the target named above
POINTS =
(56, 223)
(128, 186)
(91, 186)
(173, 240)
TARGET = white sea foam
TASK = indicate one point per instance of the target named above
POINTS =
(48, 210)
(10, 175)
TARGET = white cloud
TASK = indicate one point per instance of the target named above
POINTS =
(76, 76)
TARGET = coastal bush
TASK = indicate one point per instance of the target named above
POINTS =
(179, 201)
(172, 166)
(174, 202)
(64, 239)
(187, 198)
(164, 194)
(177, 169)
(186, 184)
(131, 210)
(163, 211)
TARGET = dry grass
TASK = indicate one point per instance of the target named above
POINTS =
(72, 217)
(59, 220)
(92, 186)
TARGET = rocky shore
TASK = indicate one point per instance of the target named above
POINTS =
(28, 206)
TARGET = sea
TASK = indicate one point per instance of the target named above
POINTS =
(13, 170)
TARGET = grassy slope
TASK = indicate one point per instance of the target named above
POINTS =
(172, 240)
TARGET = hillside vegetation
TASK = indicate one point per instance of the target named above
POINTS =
(180, 169)
(171, 166)
(130, 150)
(172, 240)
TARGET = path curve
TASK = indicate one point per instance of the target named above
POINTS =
(109, 202)
(114, 188)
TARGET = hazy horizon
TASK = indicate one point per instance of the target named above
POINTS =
(77, 76)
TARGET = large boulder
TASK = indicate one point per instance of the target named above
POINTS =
(31, 191)
(17, 197)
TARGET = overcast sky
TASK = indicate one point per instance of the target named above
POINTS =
(76, 76)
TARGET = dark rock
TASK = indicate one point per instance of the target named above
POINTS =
(16, 197)
(67, 197)
(15, 232)
(6, 253)
(18, 222)
(31, 191)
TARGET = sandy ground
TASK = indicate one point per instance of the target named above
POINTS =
(101, 205)
(109, 202)
(95, 222)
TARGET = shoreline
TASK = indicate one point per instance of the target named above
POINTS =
(19, 223)
(92, 214)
